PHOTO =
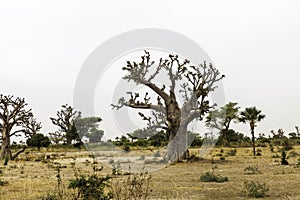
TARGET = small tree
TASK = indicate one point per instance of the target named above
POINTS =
(251, 115)
(222, 118)
(15, 119)
(89, 127)
(65, 121)
(95, 135)
(38, 140)
(72, 125)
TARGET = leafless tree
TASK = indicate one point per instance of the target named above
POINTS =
(57, 137)
(195, 83)
(15, 120)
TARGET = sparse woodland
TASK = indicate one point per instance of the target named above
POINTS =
(58, 165)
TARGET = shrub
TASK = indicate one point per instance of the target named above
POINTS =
(211, 177)
(156, 154)
(116, 170)
(232, 152)
(255, 189)
(293, 154)
(142, 157)
(91, 187)
(271, 147)
(2, 183)
(252, 170)
(287, 145)
(298, 164)
(126, 148)
(135, 186)
(50, 196)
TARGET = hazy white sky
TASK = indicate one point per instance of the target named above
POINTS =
(254, 43)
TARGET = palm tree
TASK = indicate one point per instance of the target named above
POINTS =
(251, 115)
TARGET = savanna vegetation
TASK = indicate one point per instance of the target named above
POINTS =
(59, 165)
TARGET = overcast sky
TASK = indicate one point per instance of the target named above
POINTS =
(43, 45)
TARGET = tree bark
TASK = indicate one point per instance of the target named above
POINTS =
(5, 147)
(253, 138)
(18, 153)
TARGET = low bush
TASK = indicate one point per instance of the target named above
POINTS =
(157, 154)
(49, 196)
(211, 177)
(142, 157)
(126, 148)
(293, 154)
(232, 152)
(252, 170)
(135, 186)
(255, 190)
(91, 187)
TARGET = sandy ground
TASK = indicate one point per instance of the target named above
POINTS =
(36, 177)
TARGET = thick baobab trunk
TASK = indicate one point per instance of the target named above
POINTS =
(173, 118)
(5, 147)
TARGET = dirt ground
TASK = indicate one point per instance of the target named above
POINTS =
(32, 176)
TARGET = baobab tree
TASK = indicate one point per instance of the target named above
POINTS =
(72, 126)
(222, 118)
(15, 120)
(65, 121)
(195, 83)
(251, 115)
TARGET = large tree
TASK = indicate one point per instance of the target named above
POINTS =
(15, 120)
(222, 118)
(251, 115)
(194, 84)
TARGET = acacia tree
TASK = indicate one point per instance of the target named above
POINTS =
(222, 118)
(195, 83)
(15, 119)
(251, 115)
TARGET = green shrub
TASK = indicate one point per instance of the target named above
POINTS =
(211, 177)
(38, 140)
(91, 187)
(255, 189)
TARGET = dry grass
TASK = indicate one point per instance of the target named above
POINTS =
(31, 179)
